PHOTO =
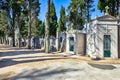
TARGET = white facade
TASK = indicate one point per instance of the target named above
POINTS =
(71, 35)
(97, 31)
(76, 42)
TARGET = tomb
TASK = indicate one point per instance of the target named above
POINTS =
(76, 42)
(102, 37)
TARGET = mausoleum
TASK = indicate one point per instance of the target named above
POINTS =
(76, 42)
(102, 37)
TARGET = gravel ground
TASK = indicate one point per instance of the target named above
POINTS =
(23, 64)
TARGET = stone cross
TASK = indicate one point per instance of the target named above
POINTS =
(106, 10)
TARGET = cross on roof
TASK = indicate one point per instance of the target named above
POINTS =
(106, 10)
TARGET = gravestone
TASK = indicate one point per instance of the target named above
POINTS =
(36, 42)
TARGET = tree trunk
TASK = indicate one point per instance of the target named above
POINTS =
(6, 38)
(13, 37)
(29, 27)
(47, 42)
(19, 35)
(2, 40)
(57, 41)
(13, 30)
(29, 36)
(19, 38)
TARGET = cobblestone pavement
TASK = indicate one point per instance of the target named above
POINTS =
(24, 64)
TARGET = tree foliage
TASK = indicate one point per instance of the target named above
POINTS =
(112, 4)
(53, 19)
(76, 13)
(38, 27)
(62, 20)
(4, 29)
(32, 11)
(12, 8)
(20, 12)
(89, 8)
(41, 29)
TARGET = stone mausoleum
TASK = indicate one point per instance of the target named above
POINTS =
(103, 37)
(76, 42)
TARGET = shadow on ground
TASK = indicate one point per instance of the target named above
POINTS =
(16, 52)
(10, 58)
(43, 74)
(102, 66)
(11, 62)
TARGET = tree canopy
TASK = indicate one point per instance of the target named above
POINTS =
(53, 19)
(112, 4)
(76, 14)
(62, 20)
(89, 8)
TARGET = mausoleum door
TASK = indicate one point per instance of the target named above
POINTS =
(71, 42)
(107, 45)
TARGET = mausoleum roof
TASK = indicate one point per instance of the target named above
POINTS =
(105, 18)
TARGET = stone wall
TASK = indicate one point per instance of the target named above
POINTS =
(81, 44)
(119, 41)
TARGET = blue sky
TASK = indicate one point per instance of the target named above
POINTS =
(65, 3)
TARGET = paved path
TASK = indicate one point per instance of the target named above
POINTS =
(24, 64)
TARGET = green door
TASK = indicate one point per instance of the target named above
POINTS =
(71, 42)
(107, 46)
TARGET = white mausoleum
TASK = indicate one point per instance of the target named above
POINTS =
(76, 42)
(102, 37)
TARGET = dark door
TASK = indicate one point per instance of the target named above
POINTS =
(107, 46)
(71, 42)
